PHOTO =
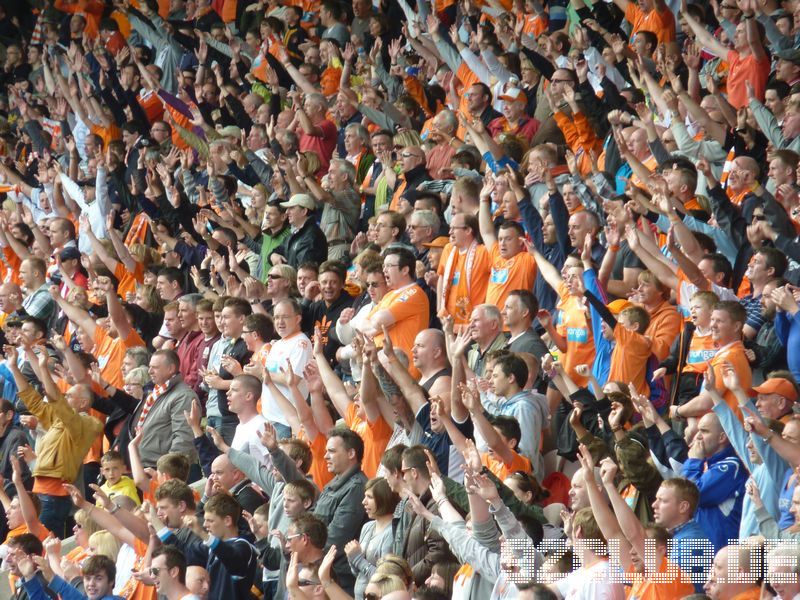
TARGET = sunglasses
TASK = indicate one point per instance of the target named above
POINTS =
(154, 571)
(274, 277)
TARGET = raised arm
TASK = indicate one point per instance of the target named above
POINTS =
(74, 313)
(410, 389)
(26, 506)
(704, 37)
(484, 213)
(116, 312)
(472, 401)
(550, 274)
(333, 385)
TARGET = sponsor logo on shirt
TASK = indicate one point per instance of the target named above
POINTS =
(700, 356)
(577, 334)
(499, 276)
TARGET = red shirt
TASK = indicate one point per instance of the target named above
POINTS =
(323, 145)
(187, 353)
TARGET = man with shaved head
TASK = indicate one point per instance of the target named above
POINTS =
(430, 358)
(10, 302)
(720, 476)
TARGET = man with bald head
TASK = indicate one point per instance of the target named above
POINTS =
(720, 476)
(581, 224)
(443, 134)
(10, 302)
(198, 581)
(742, 179)
(224, 478)
(430, 358)
(730, 575)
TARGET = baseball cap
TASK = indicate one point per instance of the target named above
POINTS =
(514, 95)
(792, 55)
(439, 242)
(778, 385)
(303, 200)
(230, 131)
(617, 306)
(70, 253)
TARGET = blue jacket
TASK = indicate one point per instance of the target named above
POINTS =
(688, 556)
(603, 348)
(767, 475)
(37, 591)
(231, 564)
(788, 329)
(721, 480)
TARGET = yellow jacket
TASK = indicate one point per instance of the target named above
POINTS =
(67, 439)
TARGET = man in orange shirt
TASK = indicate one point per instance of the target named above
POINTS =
(405, 310)
(463, 271)
(748, 61)
(361, 415)
(108, 347)
(649, 15)
(727, 322)
(512, 267)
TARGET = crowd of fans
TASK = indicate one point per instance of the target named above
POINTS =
(464, 299)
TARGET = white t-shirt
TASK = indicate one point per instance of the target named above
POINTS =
(126, 560)
(590, 584)
(245, 439)
(297, 349)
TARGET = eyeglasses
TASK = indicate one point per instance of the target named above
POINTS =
(457, 227)
(561, 81)
(390, 265)
(294, 535)
(154, 571)
(245, 331)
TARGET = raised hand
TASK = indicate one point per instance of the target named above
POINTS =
(268, 436)
(76, 496)
(218, 440)
(326, 566)
(608, 471)
(193, 417)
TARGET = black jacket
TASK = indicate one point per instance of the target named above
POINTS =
(308, 244)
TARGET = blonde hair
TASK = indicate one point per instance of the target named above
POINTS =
(387, 583)
(392, 564)
(312, 160)
(145, 254)
(407, 137)
(105, 544)
(83, 519)
(138, 376)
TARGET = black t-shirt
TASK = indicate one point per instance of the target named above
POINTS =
(439, 443)
(319, 314)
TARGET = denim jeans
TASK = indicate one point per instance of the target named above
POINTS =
(283, 431)
(225, 427)
(55, 512)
